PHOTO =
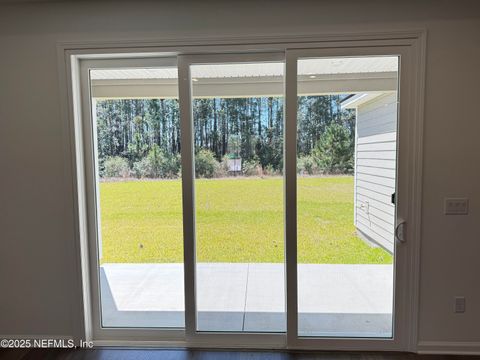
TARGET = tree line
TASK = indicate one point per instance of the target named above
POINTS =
(141, 137)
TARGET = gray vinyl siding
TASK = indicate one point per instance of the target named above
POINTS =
(375, 164)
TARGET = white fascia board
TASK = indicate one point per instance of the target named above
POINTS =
(245, 87)
(362, 98)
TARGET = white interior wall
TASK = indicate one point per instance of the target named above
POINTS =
(37, 263)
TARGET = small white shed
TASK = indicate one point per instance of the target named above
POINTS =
(375, 164)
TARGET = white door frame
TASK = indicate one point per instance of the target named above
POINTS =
(411, 47)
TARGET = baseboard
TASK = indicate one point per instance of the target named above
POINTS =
(449, 347)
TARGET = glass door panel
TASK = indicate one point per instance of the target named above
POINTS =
(346, 180)
(139, 196)
(239, 212)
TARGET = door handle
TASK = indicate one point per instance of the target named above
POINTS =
(400, 231)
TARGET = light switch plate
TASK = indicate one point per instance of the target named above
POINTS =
(456, 206)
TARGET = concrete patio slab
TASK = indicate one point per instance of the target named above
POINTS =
(265, 298)
(339, 288)
(334, 300)
(221, 291)
(142, 295)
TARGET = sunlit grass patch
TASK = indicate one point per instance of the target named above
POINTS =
(238, 220)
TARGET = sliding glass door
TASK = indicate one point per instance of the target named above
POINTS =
(344, 197)
(251, 199)
(346, 161)
(235, 117)
(134, 138)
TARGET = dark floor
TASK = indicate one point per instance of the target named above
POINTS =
(181, 354)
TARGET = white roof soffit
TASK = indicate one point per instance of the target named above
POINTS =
(315, 77)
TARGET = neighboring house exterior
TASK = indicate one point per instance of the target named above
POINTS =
(375, 164)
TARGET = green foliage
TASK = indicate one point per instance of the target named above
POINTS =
(269, 170)
(270, 150)
(142, 168)
(136, 150)
(116, 166)
(222, 169)
(252, 167)
(334, 151)
(306, 165)
(233, 146)
(249, 128)
(157, 165)
(224, 163)
(205, 164)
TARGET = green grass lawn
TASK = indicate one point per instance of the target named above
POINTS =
(238, 220)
